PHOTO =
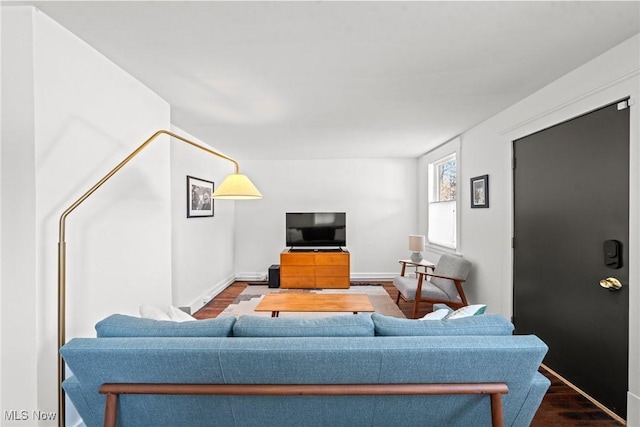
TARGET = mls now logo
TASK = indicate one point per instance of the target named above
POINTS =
(16, 415)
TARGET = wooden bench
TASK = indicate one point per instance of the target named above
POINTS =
(493, 389)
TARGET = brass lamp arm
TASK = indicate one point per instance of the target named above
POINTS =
(62, 251)
(86, 195)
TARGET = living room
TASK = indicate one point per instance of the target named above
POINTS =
(70, 114)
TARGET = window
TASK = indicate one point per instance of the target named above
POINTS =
(442, 202)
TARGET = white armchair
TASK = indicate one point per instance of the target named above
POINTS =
(442, 285)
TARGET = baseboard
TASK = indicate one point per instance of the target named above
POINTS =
(251, 277)
(589, 398)
(204, 299)
(357, 277)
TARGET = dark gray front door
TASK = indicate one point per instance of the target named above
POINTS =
(571, 194)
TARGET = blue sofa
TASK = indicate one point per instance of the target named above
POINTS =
(369, 349)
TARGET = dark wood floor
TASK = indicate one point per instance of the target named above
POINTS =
(561, 407)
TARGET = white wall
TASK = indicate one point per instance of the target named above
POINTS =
(487, 149)
(1, 215)
(378, 195)
(19, 373)
(77, 115)
(202, 248)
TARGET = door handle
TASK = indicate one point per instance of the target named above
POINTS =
(611, 283)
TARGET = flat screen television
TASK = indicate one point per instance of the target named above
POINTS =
(316, 229)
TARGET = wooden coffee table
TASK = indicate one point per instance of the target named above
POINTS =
(304, 302)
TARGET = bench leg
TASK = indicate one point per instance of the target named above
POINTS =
(497, 419)
(110, 410)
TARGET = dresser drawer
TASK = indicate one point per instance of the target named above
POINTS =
(303, 258)
(332, 270)
(332, 259)
(297, 282)
(297, 270)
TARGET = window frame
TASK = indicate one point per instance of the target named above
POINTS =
(451, 148)
(435, 186)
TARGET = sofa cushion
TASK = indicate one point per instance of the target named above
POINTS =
(120, 325)
(358, 325)
(486, 324)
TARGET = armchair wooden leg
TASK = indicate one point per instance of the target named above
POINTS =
(416, 304)
(398, 299)
(463, 297)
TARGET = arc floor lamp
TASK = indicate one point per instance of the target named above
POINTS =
(234, 187)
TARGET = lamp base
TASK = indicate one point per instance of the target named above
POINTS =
(416, 257)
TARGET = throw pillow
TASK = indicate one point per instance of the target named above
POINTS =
(359, 325)
(150, 312)
(436, 315)
(178, 315)
(487, 324)
(469, 310)
(120, 325)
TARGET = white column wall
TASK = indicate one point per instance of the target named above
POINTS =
(18, 293)
(378, 195)
(202, 248)
(86, 115)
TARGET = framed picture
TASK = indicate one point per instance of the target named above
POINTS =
(480, 192)
(199, 201)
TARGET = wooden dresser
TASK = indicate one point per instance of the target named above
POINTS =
(314, 269)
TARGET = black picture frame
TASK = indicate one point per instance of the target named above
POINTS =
(480, 191)
(199, 201)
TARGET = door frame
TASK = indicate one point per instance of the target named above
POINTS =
(576, 107)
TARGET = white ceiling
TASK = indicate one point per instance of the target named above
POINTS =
(290, 80)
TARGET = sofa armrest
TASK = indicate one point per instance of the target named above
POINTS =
(79, 397)
(539, 386)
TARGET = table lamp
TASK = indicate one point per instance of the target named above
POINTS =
(416, 245)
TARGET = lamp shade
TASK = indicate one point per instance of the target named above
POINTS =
(416, 242)
(237, 187)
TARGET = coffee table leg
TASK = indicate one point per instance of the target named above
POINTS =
(275, 313)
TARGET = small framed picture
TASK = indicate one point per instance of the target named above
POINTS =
(480, 192)
(199, 201)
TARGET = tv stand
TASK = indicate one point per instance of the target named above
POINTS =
(309, 268)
